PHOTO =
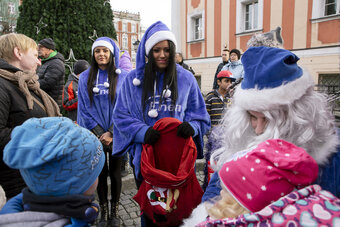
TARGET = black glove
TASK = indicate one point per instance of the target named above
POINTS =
(185, 130)
(151, 136)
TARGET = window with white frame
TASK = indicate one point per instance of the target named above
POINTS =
(118, 40)
(330, 7)
(133, 28)
(325, 8)
(116, 25)
(11, 8)
(249, 15)
(196, 26)
(124, 27)
(124, 42)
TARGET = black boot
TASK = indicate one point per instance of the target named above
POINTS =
(104, 212)
(114, 219)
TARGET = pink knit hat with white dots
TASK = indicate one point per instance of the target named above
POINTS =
(262, 175)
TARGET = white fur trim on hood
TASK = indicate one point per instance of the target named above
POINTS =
(103, 43)
(158, 37)
(265, 99)
(198, 215)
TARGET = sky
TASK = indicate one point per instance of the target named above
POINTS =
(150, 10)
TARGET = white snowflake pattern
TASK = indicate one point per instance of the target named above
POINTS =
(252, 169)
(269, 167)
(276, 151)
(276, 164)
(263, 150)
(249, 196)
(282, 194)
(263, 188)
(287, 155)
(244, 178)
(227, 169)
(257, 161)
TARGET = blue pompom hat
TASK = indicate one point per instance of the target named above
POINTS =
(156, 33)
(271, 78)
(55, 156)
(111, 45)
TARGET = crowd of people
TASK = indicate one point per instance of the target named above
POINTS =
(272, 151)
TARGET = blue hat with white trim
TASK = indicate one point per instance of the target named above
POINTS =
(156, 33)
(271, 77)
(111, 45)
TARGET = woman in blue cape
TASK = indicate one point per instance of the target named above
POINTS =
(97, 91)
(156, 89)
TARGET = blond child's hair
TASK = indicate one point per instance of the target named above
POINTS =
(226, 207)
(9, 41)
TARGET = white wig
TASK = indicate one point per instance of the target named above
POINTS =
(307, 122)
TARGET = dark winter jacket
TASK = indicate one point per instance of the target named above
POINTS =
(51, 77)
(219, 68)
(13, 112)
(70, 96)
(185, 66)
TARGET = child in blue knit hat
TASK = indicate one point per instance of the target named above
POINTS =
(60, 162)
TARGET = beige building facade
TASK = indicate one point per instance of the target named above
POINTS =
(310, 29)
(128, 29)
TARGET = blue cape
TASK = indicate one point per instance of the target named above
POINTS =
(101, 109)
(130, 126)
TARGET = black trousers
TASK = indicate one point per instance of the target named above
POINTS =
(112, 169)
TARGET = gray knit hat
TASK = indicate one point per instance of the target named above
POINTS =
(80, 66)
(48, 43)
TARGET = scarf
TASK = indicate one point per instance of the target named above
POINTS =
(29, 81)
(54, 53)
(76, 206)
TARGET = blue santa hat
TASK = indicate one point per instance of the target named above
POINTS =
(55, 156)
(111, 45)
(156, 33)
(271, 78)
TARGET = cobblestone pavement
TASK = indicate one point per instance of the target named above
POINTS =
(129, 212)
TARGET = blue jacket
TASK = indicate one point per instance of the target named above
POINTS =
(328, 179)
(235, 67)
(100, 111)
(130, 125)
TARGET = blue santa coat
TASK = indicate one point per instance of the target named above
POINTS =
(130, 127)
(101, 109)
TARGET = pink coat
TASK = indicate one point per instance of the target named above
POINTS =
(310, 206)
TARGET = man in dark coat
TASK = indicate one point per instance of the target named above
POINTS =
(225, 59)
(51, 73)
(179, 60)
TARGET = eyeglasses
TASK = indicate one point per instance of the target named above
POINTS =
(224, 55)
